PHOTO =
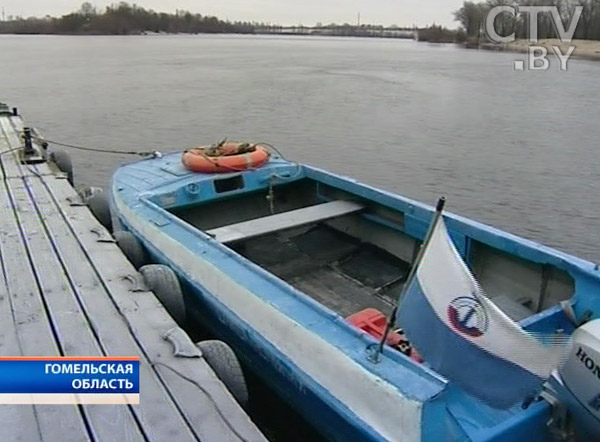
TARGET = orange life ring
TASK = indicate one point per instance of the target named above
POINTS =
(225, 157)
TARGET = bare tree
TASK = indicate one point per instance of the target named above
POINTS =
(472, 17)
(87, 10)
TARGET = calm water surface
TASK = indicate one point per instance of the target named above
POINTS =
(516, 150)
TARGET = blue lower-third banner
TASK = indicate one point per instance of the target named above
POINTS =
(69, 380)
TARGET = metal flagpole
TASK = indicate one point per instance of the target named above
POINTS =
(439, 208)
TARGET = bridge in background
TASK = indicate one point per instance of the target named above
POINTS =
(340, 31)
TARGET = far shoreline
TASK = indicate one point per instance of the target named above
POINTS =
(584, 49)
(155, 34)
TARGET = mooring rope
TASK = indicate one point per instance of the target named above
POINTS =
(216, 406)
(157, 154)
(95, 149)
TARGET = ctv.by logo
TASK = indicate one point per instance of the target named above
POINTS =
(537, 55)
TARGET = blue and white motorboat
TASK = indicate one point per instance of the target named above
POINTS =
(275, 260)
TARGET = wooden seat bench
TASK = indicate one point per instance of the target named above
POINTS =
(283, 221)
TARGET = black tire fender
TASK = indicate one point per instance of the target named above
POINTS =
(100, 208)
(223, 361)
(131, 248)
(165, 285)
(63, 161)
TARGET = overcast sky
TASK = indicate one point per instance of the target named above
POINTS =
(308, 12)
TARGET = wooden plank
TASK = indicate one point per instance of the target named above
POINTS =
(285, 220)
(149, 321)
(74, 333)
(4, 147)
(33, 329)
(157, 414)
(10, 157)
(17, 422)
(75, 336)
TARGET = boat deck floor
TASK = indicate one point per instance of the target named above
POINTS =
(331, 267)
(67, 290)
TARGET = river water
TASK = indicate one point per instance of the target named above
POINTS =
(517, 150)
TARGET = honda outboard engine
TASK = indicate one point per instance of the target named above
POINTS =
(578, 384)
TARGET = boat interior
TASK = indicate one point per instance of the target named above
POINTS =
(352, 254)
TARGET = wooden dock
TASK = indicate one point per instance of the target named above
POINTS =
(67, 290)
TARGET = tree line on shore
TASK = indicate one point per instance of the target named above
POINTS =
(472, 17)
(439, 34)
(122, 18)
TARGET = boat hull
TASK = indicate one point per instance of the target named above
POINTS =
(307, 353)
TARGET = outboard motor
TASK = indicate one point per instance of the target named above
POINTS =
(577, 385)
